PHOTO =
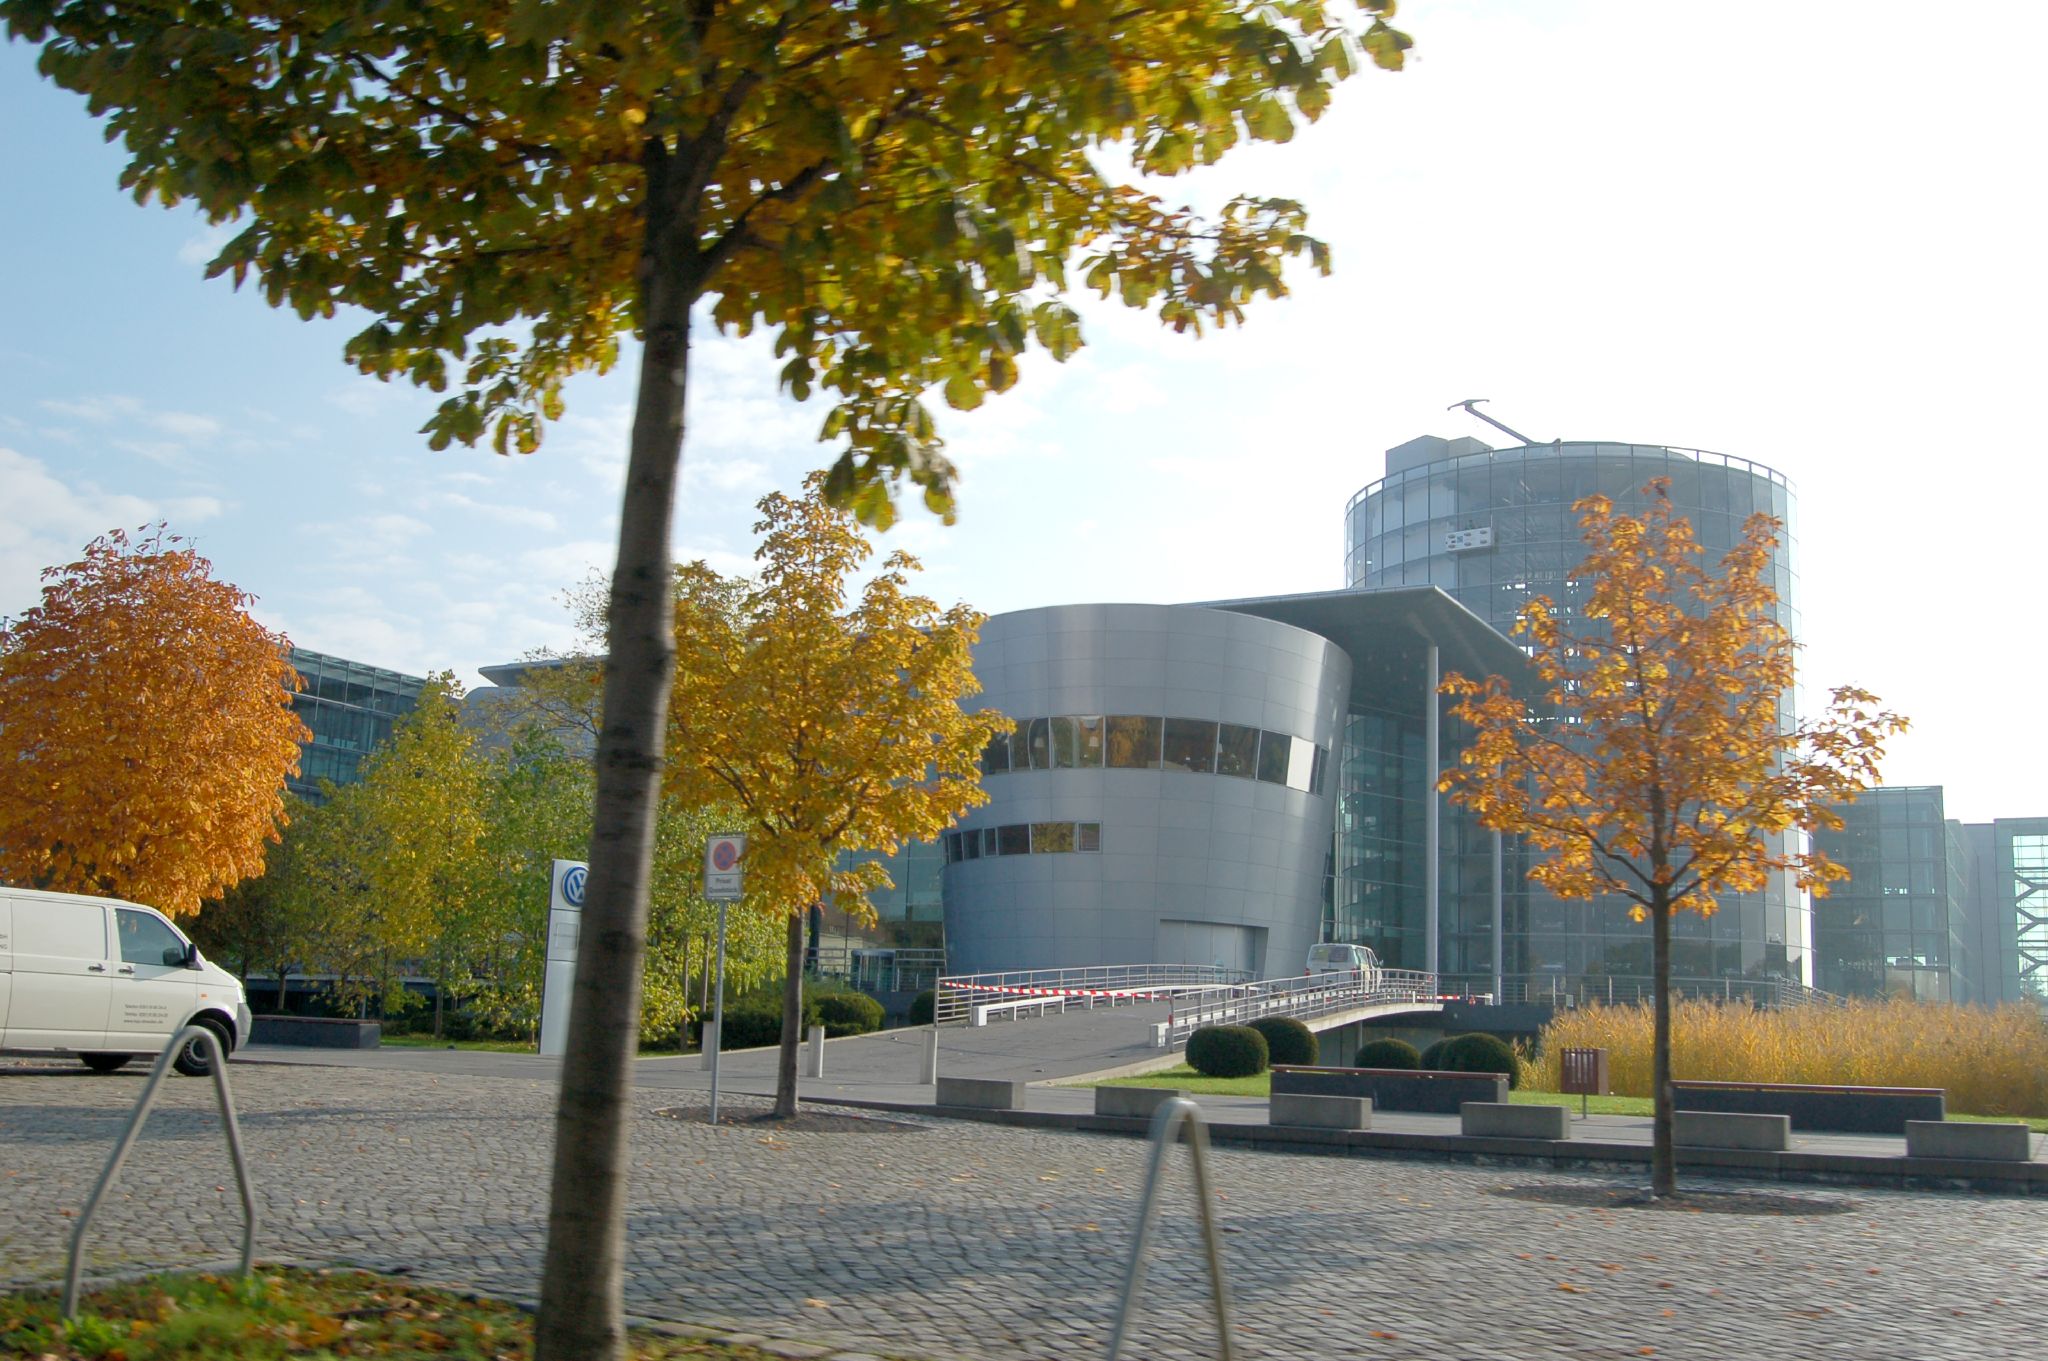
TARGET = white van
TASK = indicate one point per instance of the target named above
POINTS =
(107, 980)
(1333, 958)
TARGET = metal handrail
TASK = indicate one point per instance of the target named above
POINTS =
(1172, 1114)
(1634, 989)
(958, 994)
(1303, 995)
(219, 1066)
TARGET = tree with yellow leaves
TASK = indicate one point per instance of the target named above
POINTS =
(829, 727)
(1664, 767)
(146, 729)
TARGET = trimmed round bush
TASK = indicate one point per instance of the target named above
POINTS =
(1432, 1057)
(1287, 1040)
(848, 1013)
(1227, 1051)
(1476, 1053)
(1387, 1054)
(751, 1025)
(924, 1007)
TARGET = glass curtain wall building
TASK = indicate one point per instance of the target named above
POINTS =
(2009, 909)
(349, 708)
(1492, 528)
(1898, 926)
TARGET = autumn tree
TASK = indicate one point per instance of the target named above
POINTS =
(1663, 764)
(146, 729)
(899, 190)
(418, 805)
(260, 922)
(829, 724)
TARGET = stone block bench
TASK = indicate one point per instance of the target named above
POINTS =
(1840, 1110)
(1499, 1120)
(1141, 1102)
(317, 1032)
(1730, 1129)
(980, 1093)
(1393, 1089)
(1319, 1112)
(2013, 1143)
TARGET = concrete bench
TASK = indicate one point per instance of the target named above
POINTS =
(1319, 1112)
(1725, 1129)
(1499, 1120)
(980, 1093)
(1841, 1110)
(1138, 1101)
(1393, 1089)
(2010, 1143)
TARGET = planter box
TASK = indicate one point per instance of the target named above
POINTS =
(1395, 1089)
(316, 1032)
(1841, 1110)
(1499, 1120)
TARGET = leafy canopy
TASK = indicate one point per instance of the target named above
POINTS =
(146, 729)
(897, 188)
(1665, 767)
(827, 725)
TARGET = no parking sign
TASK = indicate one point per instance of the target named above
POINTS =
(722, 853)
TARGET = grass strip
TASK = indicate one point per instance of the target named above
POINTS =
(292, 1312)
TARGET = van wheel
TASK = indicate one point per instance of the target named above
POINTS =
(193, 1060)
(105, 1063)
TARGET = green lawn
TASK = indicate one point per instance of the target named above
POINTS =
(286, 1312)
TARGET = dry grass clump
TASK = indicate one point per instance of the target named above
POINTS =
(1990, 1062)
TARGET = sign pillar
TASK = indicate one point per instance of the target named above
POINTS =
(565, 928)
(722, 885)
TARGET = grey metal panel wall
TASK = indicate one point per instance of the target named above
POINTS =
(1181, 852)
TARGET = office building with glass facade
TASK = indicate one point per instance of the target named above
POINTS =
(1169, 793)
(1493, 528)
(1899, 926)
(349, 708)
(2008, 909)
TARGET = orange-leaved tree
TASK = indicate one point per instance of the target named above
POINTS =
(830, 725)
(146, 729)
(1663, 765)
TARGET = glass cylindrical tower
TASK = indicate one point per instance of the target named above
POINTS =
(1494, 527)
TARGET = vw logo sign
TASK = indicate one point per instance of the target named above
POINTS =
(572, 885)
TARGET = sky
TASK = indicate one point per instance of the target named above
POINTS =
(1806, 234)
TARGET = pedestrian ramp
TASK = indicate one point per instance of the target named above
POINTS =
(1192, 996)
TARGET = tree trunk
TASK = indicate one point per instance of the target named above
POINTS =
(582, 1290)
(792, 1021)
(683, 1011)
(1663, 1159)
(283, 982)
(440, 991)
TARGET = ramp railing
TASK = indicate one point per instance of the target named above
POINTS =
(985, 996)
(1305, 996)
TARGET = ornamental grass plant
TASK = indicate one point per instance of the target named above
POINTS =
(1991, 1062)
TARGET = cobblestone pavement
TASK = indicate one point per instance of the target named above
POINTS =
(941, 1239)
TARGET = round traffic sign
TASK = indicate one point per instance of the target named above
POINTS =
(724, 855)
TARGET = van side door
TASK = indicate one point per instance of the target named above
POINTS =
(6, 960)
(153, 991)
(63, 980)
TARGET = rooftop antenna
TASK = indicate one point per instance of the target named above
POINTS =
(1470, 408)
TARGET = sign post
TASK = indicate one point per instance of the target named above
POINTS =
(558, 977)
(722, 885)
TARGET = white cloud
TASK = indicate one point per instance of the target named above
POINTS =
(49, 520)
(202, 246)
(519, 517)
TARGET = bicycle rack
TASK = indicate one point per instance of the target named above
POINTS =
(1172, 1114)
(136, 1117)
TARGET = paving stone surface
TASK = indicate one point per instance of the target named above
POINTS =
(942, 1239)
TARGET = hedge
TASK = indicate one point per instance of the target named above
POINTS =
(1287, 1040)
(1387, 1054)
(1227, 1051)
